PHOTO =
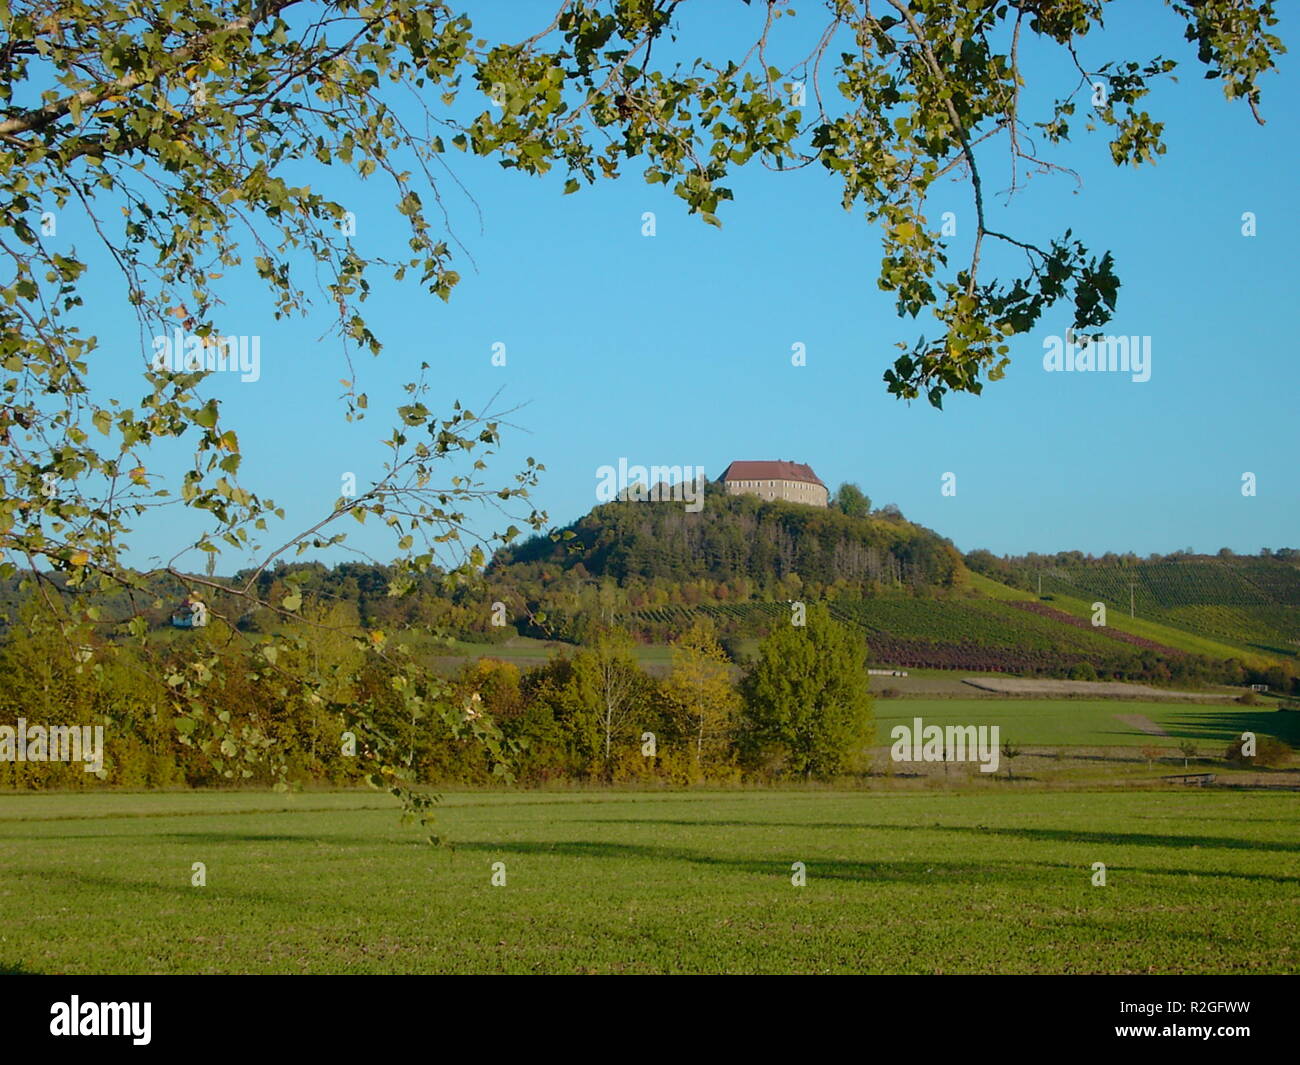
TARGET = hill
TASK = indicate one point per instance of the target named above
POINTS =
(740, 538)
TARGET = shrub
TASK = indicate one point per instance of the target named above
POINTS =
(1270, 752)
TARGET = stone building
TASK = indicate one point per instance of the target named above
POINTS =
(791, 481)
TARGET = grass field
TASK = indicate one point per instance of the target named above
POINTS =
(1095, 722)
(526, 653)
(1197, 882)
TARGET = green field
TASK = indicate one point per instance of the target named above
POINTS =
(1198, 882)
(1095, 722)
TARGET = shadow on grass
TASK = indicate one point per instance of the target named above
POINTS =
(1038, 835)
(906, 872)
(1210, 874)
(1137, 839)
(246, 837)
(173, 889)
(910, 872)
(1224, 728)
(16, 968)
(1273, 649)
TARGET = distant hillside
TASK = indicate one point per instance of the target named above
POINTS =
(1249, 602)
(654, 568)
(740, 537)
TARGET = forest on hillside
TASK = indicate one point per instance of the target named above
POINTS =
(741, 537)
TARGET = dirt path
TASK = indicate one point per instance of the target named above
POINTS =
(1106, 689)
(1142, 722)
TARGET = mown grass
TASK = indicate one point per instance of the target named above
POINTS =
(643, 883)
(1095, 722)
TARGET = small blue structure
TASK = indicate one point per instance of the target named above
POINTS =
(191, 614)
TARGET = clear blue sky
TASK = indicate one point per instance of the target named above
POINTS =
(676, 348)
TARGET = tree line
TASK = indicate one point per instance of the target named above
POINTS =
(802, 709)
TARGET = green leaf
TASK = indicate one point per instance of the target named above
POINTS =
(206, 416)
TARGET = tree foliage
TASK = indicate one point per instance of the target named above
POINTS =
(698, 695)
(851, 500)
(807, 705)
(734, 537)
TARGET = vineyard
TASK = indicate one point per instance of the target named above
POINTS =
(657, 624)
(1253, 603)
(969, 623)
(1279, 583)
(1042, 610)
(1238, 582)
(949, 632)
(1275, 630)
(1192, 616)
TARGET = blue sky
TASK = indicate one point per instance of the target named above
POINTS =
(676, 348)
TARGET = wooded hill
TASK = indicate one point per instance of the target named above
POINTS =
(740, 537)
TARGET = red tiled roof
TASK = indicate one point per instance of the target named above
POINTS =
(770, 471)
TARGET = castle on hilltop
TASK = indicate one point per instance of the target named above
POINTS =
(794, 482)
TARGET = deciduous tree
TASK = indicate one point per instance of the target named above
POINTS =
(807, 699)
(699, 695)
